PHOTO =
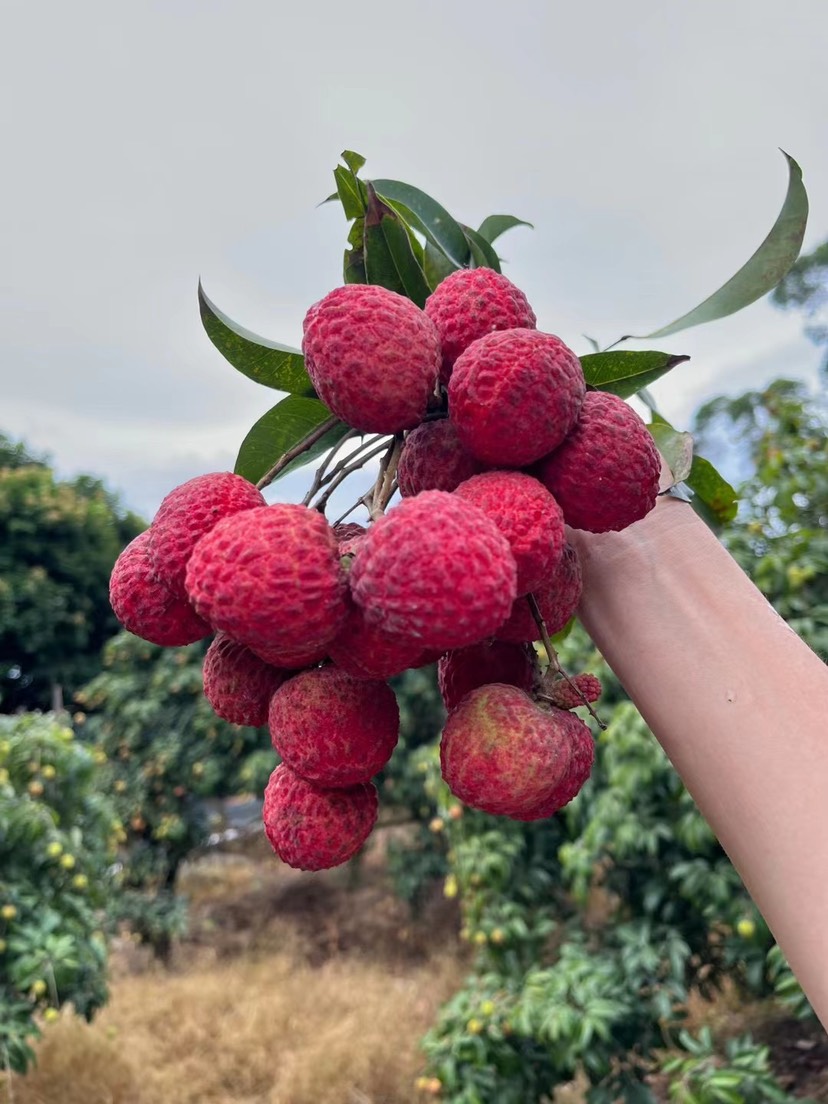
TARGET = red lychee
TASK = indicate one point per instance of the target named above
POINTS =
(528, 517)
(433, 459)
(237, 683)
(270, 578)
(365, 651)
(347, 533)
(373, 357)
(470, 303)
(514, 395)
(145, 606)
(504, 754)
(574, 693)
(464, 669)
(582, 755)
(314, 829)
(190, 511)
(436, 570)
(605, 475)
(291, 660)
(332, 729)
(557, 600)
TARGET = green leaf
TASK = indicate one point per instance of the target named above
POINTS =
(426, 215)
(436, 265)
(482, 253)
(350, 191)
(263, 361)
(719, 499)
(282, 427)
(623, 372)
(492, 227)
(675, 446)
(354, 161)
(771, 261)
(389, 257)
(353, 263)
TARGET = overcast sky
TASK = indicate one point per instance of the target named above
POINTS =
(146, 143)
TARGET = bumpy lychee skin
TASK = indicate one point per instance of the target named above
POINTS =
(582, 756)
(237, 683)
(288, 660)
(605, 475)
(348, 531)
(190, 511)
(472, 302)
(270, 578)
(145, 606)
(436, 570)
(514, 395)
(528, 517)
(365, 651)
(334, 730)
(504, 754)
(373, 357)
(314, 829)
(433, 459)
(583, 688)
(464, 669)
(557, 600)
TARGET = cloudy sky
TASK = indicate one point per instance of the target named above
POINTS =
(150, 142)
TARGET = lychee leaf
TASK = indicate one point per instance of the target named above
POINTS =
(354, 161)
(389, 257)
(426, 215)
(436, 265)
(266, 362)
(762, 272)
(283, 426)
(482, 253)
(719, 500)
(492, 227)
(675, 446)
(351, 192)
(623, 372)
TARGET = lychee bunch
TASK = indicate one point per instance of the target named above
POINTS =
(488, 432)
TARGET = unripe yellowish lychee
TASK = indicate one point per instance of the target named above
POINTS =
(68, 862)
(498, 937)
(450, 887)
(474, 1026)
(198, 769)
(746, 928)
(4, 776)
(67, 735)
(79, 718)
(487, 1008)
(49, 772)
(437, 824)
(51, 1015)
(8, 912)
(480, 938)
(455, 812)
(36, 788)
(120, 786)
(80, 881)
(435, 1086)
(55, 849)
(39, 987)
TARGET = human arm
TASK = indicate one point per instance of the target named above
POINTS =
(739, 704)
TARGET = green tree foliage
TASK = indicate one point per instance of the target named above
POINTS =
(164, 753)
(58, 542)
(58, 834)
(805, 288)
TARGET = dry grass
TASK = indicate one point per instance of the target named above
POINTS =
(272, 1031)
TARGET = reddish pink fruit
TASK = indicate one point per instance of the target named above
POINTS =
(145, 606)
(332, 729)
(514, 396)
(434, 460)
(238, 684)
(464, 669)
(582, 755)
(315, 829)
(291, 660)
(605, 475)
(348, 536)
(373, 357)
(470, 303)
(271, 579)
(557, 599)
(504, 754)
(365, 651)
(528, 517)
(190, 511)
(435, 570)
(574, 693)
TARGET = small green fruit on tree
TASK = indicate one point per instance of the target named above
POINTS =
(52, 949)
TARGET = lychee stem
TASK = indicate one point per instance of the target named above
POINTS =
(385, 484)
(298, 449)
(554, 662)
(320, 478)
(323, 467)
(343, 473)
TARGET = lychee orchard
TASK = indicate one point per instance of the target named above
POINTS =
(491, 441)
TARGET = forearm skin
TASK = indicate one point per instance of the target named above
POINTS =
(738, 702)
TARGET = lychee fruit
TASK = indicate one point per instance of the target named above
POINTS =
(270, 578)
(514, 395)
(373, 357)
(332, 729)
(582, 756)
(145, 606)
(503, 753)
(464, 669)
(187, 513)
(605, 475)
(433, 459)
(291, 660)
(470, 303)
(348, 535)
(528, 517)
(237, 684)
(557, 600)
(365, 651)
(573, 693)
(436, 570)
(314, 829)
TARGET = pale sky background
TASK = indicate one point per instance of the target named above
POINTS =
(147, 143)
